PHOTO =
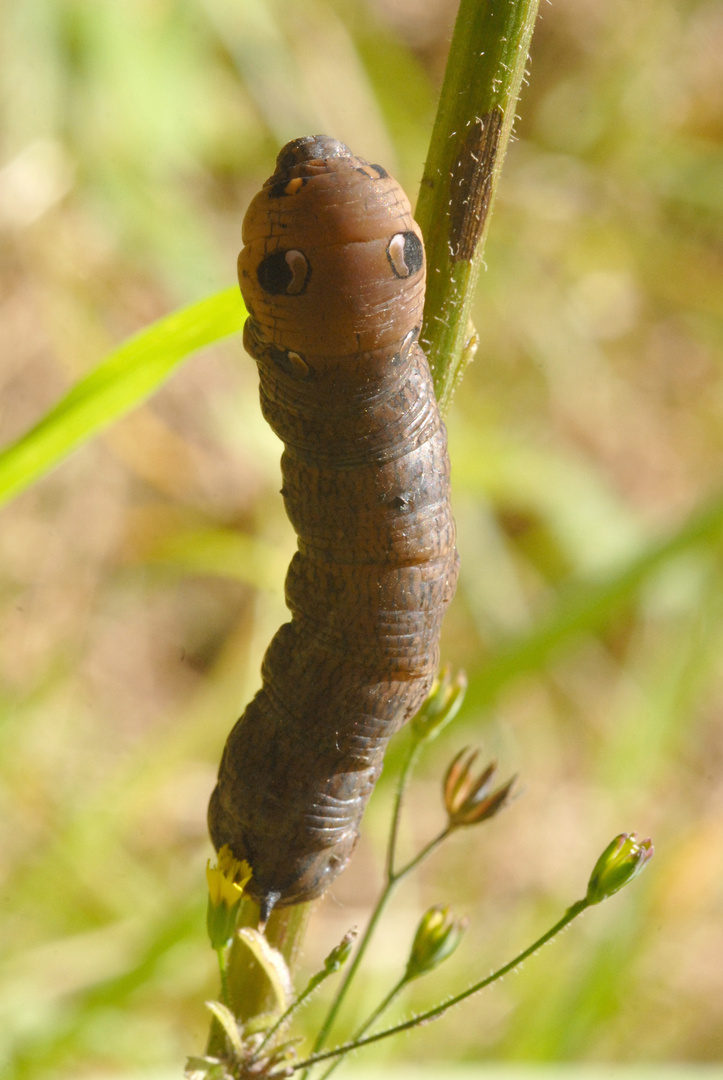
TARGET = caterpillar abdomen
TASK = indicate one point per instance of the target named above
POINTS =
(332, 273)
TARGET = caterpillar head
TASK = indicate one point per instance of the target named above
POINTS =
(333, 261)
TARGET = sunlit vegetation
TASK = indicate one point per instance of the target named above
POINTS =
(142, 578)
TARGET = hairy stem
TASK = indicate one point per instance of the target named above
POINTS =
(442, 1008)
(383, 1005)
(482, 84)
(393, 879)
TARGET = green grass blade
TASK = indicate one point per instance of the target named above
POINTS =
(588, 606)
(123, 380)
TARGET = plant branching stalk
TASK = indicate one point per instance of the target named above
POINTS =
(393, 878)
(477, 106)
(381, 1008)
(381, 904)
(441, 1009)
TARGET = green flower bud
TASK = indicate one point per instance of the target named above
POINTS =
(441, 705)
(621, 861)
(438, 935)
(340, 953)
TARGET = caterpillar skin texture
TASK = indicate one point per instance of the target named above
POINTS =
(332, 273)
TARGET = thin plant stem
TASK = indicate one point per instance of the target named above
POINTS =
(394, 877)
(354, 965)
(423, 854)
(381, 1008)
(439, 1010)
(222, 972)
(410, 761)
(286, 1016)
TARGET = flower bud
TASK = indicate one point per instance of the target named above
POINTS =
(468, 799)
(621, 861)
(226, 883)
(340, 953)
(441, 705)
(438, 935)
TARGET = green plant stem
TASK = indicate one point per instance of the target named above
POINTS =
(220, 953)
(247, 991)
(482, 83)
(284, 1019)
(423, 854)
(381, 1008)
(439, 1010)
(248, 983)
(393, 879)
(408, 764)
(353, 967)
(391, 882)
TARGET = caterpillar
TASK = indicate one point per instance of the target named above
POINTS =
(332, 272)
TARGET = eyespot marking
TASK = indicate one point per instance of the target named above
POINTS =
(405, 254)
(284, 273)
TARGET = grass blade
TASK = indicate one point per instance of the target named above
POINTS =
(120, 382)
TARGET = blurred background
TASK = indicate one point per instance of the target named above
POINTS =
(142, 580)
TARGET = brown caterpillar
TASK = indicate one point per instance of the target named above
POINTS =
(332, 273)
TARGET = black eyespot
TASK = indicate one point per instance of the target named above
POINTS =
(405, 254)
(399, 502)
(292, 363)
(284, 273)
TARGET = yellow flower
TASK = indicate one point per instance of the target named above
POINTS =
(226, 884)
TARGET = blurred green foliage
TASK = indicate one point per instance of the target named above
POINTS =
(140, 583)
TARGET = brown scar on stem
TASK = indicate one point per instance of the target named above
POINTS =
(471, 184)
